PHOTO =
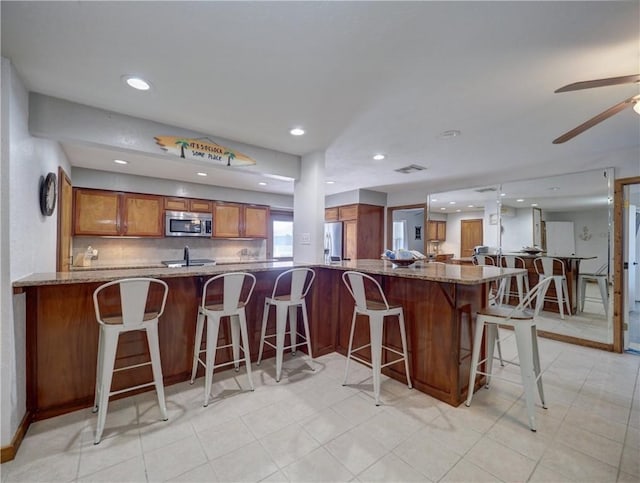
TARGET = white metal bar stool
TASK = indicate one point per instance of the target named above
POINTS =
(600, 276)
(131, 314)
(546, 267)
(221, 298)
(522, 281)
(496, 290)
(298, 282)
(523, 322)
(359, 285)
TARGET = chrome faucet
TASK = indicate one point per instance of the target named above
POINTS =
(186, 254)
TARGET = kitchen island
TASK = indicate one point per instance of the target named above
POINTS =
(439, 300)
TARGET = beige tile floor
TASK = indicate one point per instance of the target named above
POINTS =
(309, 427)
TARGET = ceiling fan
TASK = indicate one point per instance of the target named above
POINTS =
(611, 81)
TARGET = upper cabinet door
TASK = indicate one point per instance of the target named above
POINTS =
(331, 214)
(348, 212)
(256, 221)
(96, 212)
(142, 215)
(227, 219)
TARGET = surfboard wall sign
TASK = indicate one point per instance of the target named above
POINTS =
(203, 149)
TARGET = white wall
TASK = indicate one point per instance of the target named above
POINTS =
(593, 242)
(308, 210)
(91, 178)
(517, 230)
(32, 237)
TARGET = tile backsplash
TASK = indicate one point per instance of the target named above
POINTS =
(114, 252)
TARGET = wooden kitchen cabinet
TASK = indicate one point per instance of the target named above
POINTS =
(96, 212)
(348, 212)
(142, 215)
(256, 221)
(437, 230)
(362, 230)
(331, 214)
(187, 204)
(111, 213)
(227, 220)
(350, 234)
(234, 220)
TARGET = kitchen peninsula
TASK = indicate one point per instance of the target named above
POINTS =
(440, 302)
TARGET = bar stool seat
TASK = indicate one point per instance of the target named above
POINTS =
(297, 281)
(547, 267)
(376, 309)
(130, 315)
(601, 278)
(221, 299)
(522, 280)
(523, 322)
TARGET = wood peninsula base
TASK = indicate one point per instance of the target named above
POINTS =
(440, 302)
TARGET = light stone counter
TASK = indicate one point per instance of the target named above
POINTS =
(437, 272)
(89, 276)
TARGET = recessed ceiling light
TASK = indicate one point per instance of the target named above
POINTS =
(297, 131)
(434, 199)
(262, 183)
(469, 206)
(137, 83)
(458, 211)
(534, 204)
(443, 208)
(519, 200)
(503, 194)
(378, 157)
(330, 182)
(452, 202)
(120, 161)
(201, 174)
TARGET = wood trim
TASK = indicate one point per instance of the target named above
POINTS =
(576, 340)
(63, 178)
(618, 282)
(7, 453)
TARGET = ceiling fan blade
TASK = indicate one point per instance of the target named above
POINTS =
(611, 81)
(621, 106)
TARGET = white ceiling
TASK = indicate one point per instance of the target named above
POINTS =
(361, 77)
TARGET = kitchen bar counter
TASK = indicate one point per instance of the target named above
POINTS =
(440, 302)
(437, 272)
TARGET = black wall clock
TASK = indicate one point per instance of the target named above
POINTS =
(48, 194)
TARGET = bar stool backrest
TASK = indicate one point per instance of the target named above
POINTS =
(360, 285)
(298, 280)
(483, 260)
(233, 288)
(511, 261)
(134, 298)
(547, 266)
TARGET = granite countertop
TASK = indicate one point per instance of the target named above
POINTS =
(107, 275)
(438, 272)
(124, 266)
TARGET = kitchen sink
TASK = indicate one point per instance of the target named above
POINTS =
(196, 262)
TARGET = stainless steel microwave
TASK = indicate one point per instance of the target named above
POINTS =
(182, 223)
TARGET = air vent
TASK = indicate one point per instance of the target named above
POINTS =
(412, 168)
(485, 190)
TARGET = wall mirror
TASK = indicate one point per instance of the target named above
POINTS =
(566, 217)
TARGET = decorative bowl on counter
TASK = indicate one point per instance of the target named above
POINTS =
(401, 262)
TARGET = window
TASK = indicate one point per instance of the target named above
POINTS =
(400, 234)
(281, 237)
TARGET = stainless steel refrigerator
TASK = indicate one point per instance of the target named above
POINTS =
(333, 239)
